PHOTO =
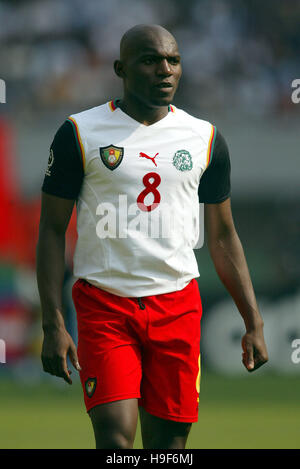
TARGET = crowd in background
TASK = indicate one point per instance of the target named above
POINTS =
(235, 54)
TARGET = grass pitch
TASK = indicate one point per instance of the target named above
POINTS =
(254, 411)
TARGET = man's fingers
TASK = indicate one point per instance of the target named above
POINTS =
(47, 365)
(245, 362)
(50, 365)
(59, 368)
(62, 369)
(249, 357)
(254, 351)
(257, 363)
(56, 347)
(73, 357)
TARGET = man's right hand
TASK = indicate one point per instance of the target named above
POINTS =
(57, 345)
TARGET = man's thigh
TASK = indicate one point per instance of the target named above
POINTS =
(115, 424)
(171, 358)
(108, 353)
(164, 434)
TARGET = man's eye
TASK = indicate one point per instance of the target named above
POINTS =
(174, 61)
(148, 61)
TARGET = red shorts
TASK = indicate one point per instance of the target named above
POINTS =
(146, 348)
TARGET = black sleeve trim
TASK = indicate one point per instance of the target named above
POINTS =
(64, 173)
(215, 183)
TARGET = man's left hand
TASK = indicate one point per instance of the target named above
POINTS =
(254, 349)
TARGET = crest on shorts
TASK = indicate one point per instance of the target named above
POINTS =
(182, 160)
(90, 386)
(111, 156)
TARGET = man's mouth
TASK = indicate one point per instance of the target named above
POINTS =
(164, 85)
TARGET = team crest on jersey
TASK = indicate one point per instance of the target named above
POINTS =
(182, 160)
(111, 156)
(90, 386)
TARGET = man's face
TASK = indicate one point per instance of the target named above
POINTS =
(152, 70)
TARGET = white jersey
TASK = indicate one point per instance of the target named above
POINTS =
(138, 208)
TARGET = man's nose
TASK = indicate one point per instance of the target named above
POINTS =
(164, 68)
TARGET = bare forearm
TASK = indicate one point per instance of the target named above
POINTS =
(230, 263)
(50, 276)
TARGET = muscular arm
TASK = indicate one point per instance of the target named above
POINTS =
(55, 216)
(230, 263)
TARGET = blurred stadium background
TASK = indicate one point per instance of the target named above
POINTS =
(239, 61)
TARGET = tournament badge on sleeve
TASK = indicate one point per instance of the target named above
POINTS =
(111, 156)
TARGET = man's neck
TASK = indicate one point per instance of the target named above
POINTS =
(140, 112)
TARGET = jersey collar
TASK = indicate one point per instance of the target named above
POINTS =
(113, 105)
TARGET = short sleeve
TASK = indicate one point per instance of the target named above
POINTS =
(64, 173)
(215, 183)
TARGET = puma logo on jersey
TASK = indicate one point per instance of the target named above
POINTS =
(152, 158)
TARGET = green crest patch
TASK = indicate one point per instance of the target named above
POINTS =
(182, 160)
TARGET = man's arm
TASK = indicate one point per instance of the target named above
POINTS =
(58, 344)
(230, 263)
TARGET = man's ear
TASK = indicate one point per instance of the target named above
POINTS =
(119, 68)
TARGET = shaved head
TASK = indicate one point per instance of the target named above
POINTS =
(149, 65)
(143, 35)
